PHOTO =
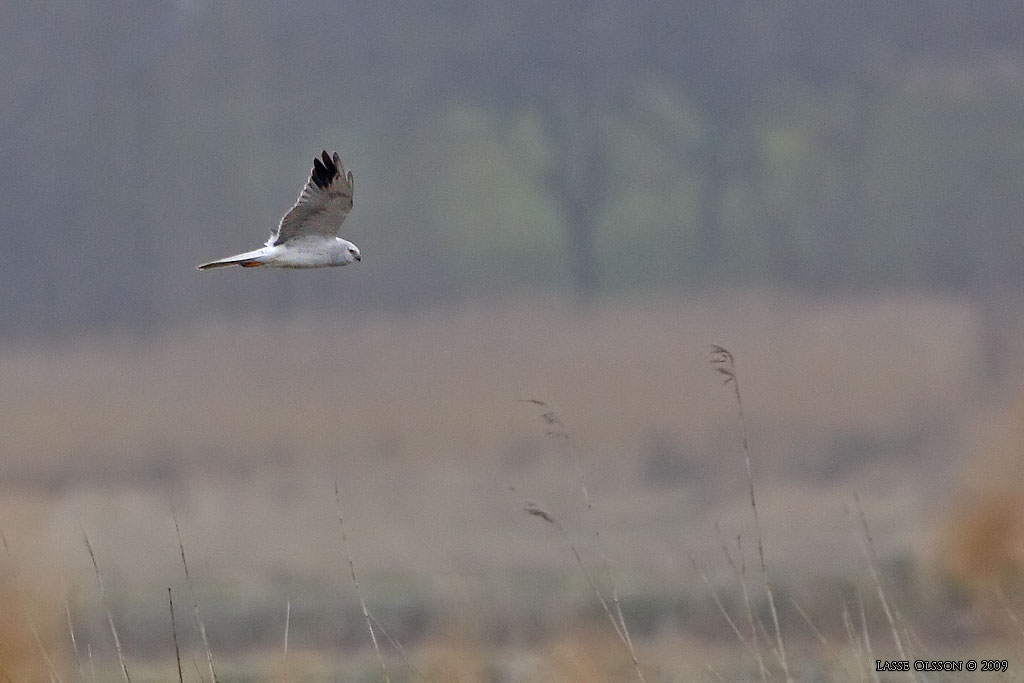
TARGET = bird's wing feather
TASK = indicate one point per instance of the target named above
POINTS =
(323, 205)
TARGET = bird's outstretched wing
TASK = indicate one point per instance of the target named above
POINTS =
(323, 205)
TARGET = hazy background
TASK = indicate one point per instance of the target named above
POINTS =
(561, 201)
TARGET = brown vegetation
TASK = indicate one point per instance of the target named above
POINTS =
(418, 420)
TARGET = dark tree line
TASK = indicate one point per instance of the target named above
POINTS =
(817, 144)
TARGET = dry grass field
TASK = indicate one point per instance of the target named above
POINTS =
(245, 427)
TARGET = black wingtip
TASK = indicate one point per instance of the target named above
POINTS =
(324, 171)
(321, 176)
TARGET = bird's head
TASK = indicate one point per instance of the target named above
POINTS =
(346, 252)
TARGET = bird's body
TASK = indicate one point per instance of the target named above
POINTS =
(307, 236)
(315, 252)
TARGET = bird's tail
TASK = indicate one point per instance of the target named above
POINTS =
(217, 264)
(246, 260)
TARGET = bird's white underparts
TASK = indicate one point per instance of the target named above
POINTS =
(307, 236)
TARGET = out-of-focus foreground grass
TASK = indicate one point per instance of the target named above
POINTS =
(246, 426)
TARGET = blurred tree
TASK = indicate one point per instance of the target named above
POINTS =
(571, 75)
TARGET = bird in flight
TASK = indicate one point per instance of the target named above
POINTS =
(308, 234)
